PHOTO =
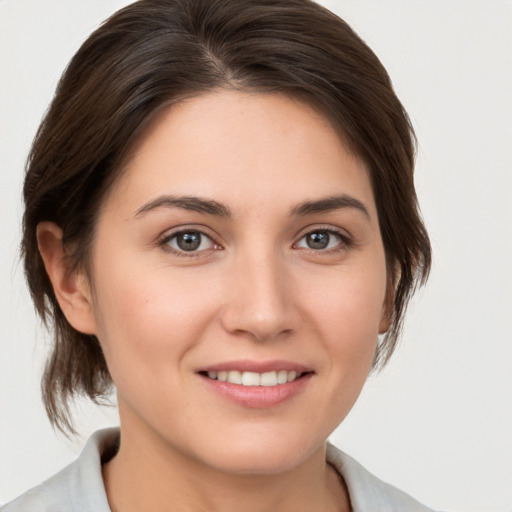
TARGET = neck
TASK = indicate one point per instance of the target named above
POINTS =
(148, 474)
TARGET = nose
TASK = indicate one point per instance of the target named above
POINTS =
(260, 300)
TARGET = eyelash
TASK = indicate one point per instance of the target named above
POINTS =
(164, 243)
(345, 242)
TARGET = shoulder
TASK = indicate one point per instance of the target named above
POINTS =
(78, 487)
(43, 498)
(367, 492)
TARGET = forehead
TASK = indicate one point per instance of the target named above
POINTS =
(241, 147)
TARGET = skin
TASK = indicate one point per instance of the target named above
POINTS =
(255, 290)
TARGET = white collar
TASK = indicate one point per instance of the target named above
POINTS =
(79, 487)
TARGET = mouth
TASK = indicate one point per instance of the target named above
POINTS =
(257, 385)
(246, 378)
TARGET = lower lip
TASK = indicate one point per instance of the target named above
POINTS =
(258, 397)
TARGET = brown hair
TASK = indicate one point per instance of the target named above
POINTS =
(155, 52)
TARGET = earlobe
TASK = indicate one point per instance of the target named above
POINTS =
(385, 322)
(71, 288)
(387, 308)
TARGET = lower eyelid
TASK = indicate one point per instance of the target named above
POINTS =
(166, 242)
(343, 240)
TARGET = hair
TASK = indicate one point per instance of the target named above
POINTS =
(154, 53)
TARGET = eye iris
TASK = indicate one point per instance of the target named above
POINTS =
(317, 240)
(188, 241)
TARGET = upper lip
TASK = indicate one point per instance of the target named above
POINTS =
(246, 365)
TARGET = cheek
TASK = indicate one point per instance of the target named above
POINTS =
(347, 311)
(351, 303)
(147, 323)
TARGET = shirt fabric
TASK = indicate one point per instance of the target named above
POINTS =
(79, 487)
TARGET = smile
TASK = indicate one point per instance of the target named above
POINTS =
(257, 384)
(244, 378)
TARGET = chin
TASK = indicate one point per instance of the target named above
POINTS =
(259, 456)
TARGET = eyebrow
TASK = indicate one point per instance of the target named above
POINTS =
(330, 204)
(195, 204)
(211, 207)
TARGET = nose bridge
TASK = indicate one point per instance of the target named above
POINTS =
(259, 303)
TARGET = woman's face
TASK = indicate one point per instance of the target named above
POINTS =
(241, 243)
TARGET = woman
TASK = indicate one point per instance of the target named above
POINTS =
(221, 221)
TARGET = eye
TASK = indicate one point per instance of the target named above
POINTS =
(189, 241)
(321, 239)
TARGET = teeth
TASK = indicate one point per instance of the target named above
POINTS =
(250, 379)
(235, 377)
(282, 377)
(292, 376)
(253, 378)
(268, 379)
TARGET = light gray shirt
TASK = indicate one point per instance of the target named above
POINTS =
(79, 487)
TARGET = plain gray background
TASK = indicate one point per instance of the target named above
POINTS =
(438, 421)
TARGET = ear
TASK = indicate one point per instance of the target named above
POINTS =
(385, 321)
(388, 306)
(71, 289)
